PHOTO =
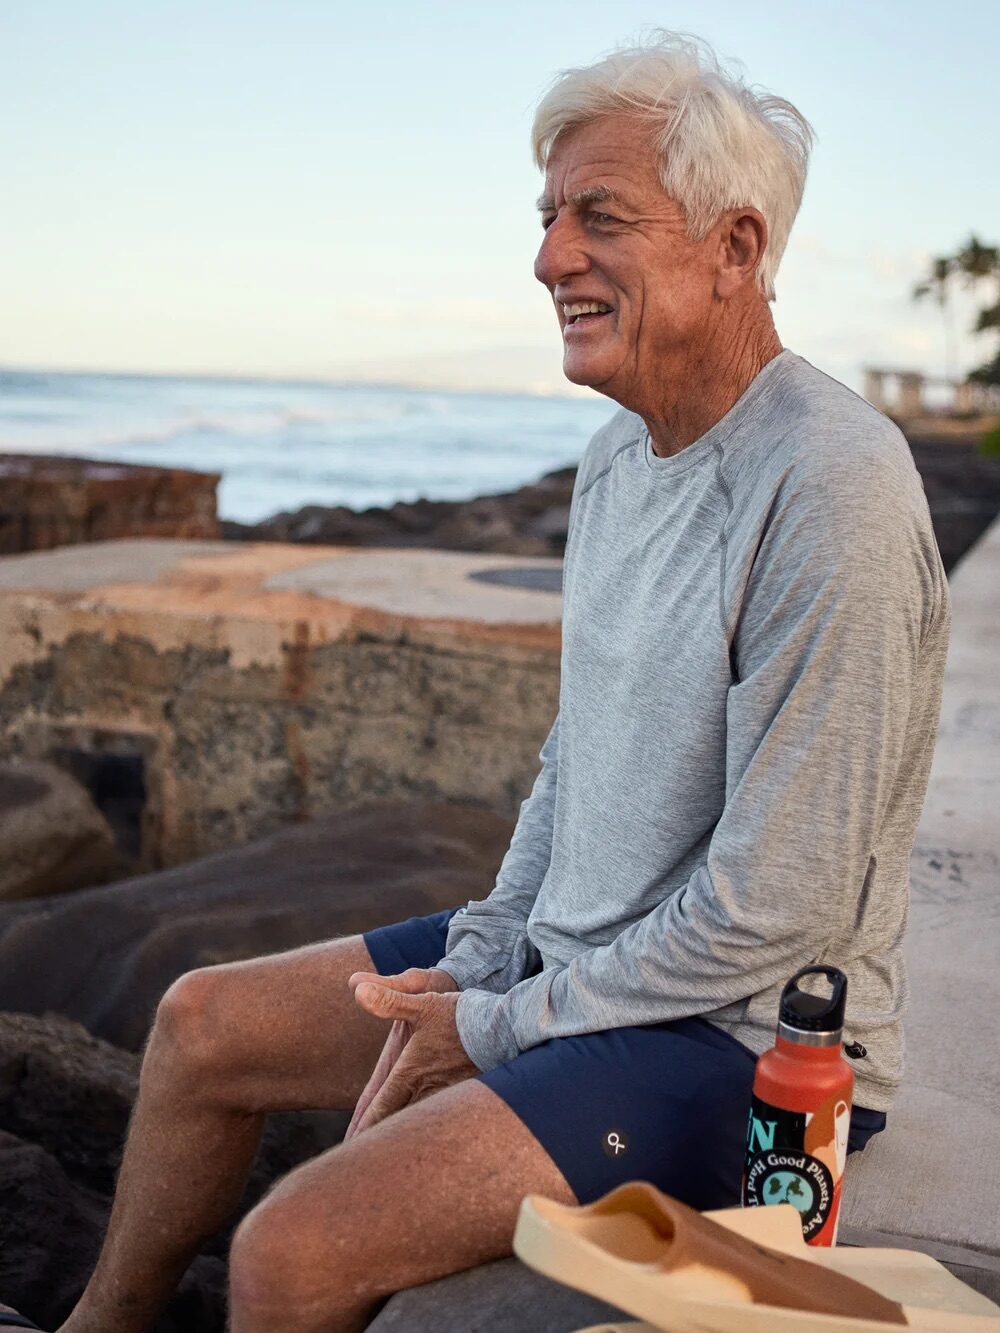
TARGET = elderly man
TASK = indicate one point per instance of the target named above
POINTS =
(755, 627)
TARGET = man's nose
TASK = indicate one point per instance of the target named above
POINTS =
(562, 252)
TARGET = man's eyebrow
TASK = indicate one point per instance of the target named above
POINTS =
(594, 194)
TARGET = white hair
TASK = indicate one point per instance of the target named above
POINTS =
(720, 144)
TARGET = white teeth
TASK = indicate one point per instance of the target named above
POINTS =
(586, 308)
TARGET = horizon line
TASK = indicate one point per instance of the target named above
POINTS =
(314, 381)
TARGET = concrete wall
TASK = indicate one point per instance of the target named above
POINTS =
(241, 706)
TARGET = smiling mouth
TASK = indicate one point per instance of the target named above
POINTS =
(582, 313)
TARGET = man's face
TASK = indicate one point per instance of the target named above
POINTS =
(613, 236)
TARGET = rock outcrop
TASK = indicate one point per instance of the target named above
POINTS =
(963, 490)
(529, 521)
(53, 836)
(105, 956)
(65, 1100)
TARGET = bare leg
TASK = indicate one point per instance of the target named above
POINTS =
(229, 1044)
(433, 1189)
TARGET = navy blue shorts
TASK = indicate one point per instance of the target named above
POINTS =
(664, 1102)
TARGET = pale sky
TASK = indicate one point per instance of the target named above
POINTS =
(319, 188)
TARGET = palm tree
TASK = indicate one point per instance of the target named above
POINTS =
(977, 261)
(938, 285)
(975, 264)
(980, 263)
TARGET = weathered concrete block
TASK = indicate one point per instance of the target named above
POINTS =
(247, 687)
(49, 501)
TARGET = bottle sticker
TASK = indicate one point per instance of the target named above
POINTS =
(786, 1163)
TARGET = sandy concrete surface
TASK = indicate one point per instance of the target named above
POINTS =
(931, 1180)
(434, 583)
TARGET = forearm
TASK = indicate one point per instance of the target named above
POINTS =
(686, 957)
(488, 945)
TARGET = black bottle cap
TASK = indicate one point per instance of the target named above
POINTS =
(814, 1013)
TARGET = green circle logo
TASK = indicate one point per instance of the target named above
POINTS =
(787, 1175)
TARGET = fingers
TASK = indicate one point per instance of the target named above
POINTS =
(379, 1000)
(395, 1093)
(375, 1081)
(389, 1002)
(433, 1057)
(412, 1008)
(399, 1035)
(364, 1101)
(412, 981)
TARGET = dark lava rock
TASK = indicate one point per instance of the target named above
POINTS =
(105, 956)
(963, 490)
(68, 1093)
(50, 1234)
(528, 521)
(65, 1100)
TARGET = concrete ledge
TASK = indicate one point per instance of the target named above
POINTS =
(256, 684)
(932, 1179)
(438, 596)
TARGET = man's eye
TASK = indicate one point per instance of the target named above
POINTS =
(547, 222)
(605, 219)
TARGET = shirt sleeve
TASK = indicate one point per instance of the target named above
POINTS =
(830, 676)
(488, 943)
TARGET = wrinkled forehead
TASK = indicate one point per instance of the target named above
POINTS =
(608, 160)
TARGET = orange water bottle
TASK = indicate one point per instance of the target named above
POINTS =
(801, 1109)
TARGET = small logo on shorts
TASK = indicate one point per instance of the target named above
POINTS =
(614, 1143)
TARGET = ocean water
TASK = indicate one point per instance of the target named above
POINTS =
(283, 444)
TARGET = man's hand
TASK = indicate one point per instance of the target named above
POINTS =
(423, 1027)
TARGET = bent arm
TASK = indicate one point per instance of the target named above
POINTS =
(488, 944)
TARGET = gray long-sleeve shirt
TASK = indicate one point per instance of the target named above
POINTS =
(754, 639)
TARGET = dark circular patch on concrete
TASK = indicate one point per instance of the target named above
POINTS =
(528, 576)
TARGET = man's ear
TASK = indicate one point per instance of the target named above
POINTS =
(742, 242)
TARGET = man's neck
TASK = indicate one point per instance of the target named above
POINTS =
(712, 381)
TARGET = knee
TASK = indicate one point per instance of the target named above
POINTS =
(189, 1030)
(272, 1265)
